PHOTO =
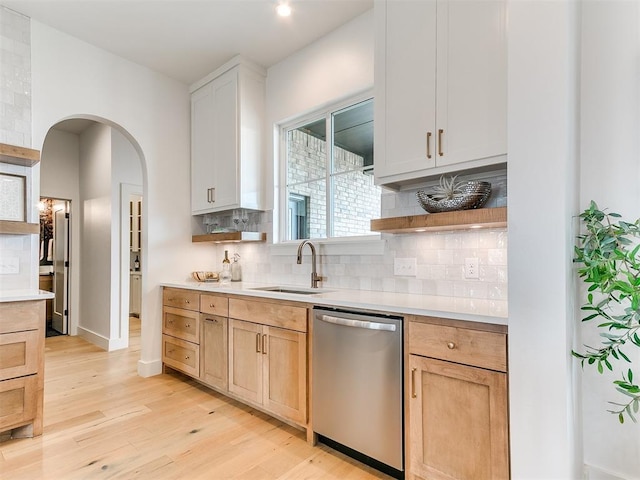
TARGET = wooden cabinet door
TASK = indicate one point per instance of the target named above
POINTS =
(471, 99)
(285, 373)
(214, 351)
(457, 422)
(20, 353)
(245, 360)
(183, 324)
(406, 76)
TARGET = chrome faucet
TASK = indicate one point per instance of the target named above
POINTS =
(314, 275)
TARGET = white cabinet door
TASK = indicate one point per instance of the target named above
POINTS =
(227, 115)
(409, 88)
(471, 108)
(440, 87)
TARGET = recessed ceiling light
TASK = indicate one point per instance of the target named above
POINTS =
(283, 9)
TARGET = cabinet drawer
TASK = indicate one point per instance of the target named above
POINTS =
(181, 355)
(20, 354)
(18, 398)
(461, 345)
(272, 314)
(183, 324)
(175, 297)
(214, 305)
(20, 316)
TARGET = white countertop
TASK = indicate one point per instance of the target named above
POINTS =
(469, 309)
(24, 295)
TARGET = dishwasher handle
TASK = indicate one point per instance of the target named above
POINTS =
(390, 327)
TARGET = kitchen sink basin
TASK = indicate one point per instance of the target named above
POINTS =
(297, 290)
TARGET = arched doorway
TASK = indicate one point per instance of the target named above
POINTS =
(99, 167)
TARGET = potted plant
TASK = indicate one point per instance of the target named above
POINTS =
(609, 258)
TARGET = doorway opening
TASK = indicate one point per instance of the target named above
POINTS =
(54, 265)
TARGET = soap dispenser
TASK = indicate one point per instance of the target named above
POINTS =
(236, 270)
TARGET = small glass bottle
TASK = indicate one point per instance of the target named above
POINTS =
(236, 270)
(225, 276)
(136, 264)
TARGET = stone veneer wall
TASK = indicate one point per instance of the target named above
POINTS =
(15, 78)
(356, 198)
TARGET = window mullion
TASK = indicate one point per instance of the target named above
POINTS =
(329, 171)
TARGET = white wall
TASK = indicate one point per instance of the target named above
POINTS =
(542, 176)
(95, 257)
(338, 65)
(60, 178)
(610, 175)
(74, 79)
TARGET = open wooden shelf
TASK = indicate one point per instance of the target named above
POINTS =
(15, 155)
(230, 237)
(459, 220)
(18, 228)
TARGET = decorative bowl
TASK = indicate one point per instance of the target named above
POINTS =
(472, 195)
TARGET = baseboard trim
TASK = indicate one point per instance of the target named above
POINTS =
(93, 337)
(595, 473)
(149, 369)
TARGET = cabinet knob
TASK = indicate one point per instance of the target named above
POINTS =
(187, 325)
(186, 301)
(187, 357)
(451, 345)
(170, 322)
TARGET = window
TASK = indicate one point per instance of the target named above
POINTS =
(330, 190)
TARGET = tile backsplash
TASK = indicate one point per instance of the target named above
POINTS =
(440, 256)
(15, 78)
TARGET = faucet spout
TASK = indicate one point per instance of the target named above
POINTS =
(314, 275)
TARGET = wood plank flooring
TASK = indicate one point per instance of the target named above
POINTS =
(103, 421)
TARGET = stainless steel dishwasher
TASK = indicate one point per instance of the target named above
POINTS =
(357, 385)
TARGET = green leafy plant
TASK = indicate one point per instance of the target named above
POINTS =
(608, 254)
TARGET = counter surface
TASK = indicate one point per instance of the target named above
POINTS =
(469, 309)
(24, 295)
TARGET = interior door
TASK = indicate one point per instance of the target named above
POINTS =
(60, 271)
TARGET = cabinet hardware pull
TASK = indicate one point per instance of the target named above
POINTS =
(413, 383)
(211, 305)
(264, 344)
(213, 195)
(187, 302)
(440, 132)
(187, 357)
(428, 144)
(257, 343)
(451, 345)
(187, 325)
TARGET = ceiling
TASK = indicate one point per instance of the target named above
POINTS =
(188, 39)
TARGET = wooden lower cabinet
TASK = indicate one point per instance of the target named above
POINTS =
(458, 421)
(268, 366)
(181, 355)
(214, 351)
(22, 326)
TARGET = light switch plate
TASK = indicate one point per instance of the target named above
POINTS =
(405, 267)
(9, 265)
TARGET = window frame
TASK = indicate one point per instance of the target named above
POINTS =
(323, 112)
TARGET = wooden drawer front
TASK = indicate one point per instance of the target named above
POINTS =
(460, 345)
(214, 305)
(175, 297)
(20, 354)
(272, 314)
(181, 355)
(18, 401)
(20, 316)
(183, 324)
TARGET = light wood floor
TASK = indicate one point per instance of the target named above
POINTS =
(101, 420)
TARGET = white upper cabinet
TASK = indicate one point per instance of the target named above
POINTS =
(227, 113)
(441, 87)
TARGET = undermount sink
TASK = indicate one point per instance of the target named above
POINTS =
(298, 290)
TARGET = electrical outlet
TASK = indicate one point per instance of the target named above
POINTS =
(405, 267)
(471, 268)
